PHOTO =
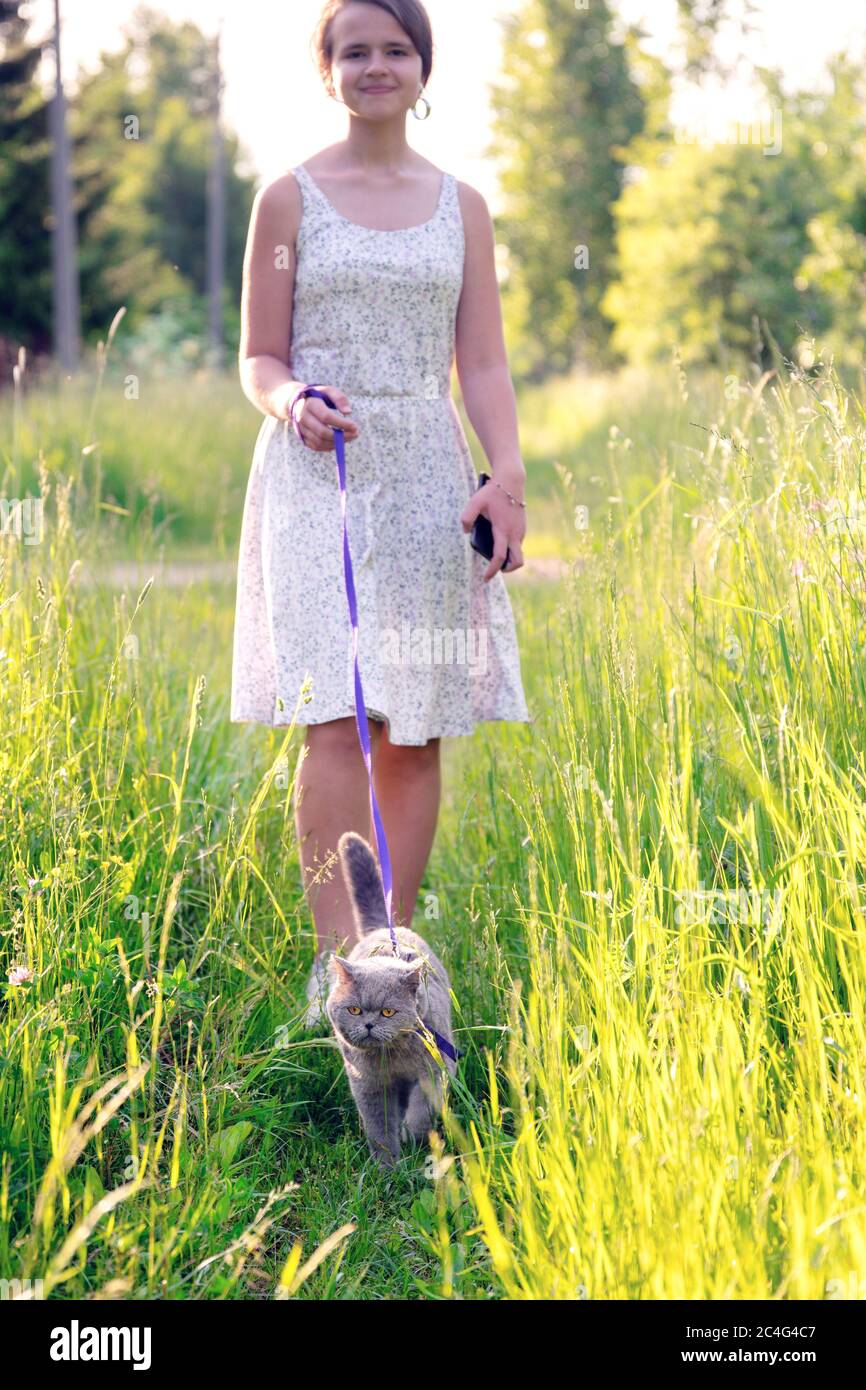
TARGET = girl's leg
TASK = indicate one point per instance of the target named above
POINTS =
(408, 786)
(332, 795)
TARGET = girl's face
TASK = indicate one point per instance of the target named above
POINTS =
(370, 50)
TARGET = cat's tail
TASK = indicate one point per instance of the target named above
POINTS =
(361, 872)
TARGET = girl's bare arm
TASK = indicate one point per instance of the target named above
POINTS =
(482, 362)
(266, 299)
(266, 319)
(488, 392)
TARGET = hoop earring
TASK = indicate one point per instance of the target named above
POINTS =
(426, 103)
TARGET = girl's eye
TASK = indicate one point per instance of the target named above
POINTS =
(353, 1009)
(388, 1013)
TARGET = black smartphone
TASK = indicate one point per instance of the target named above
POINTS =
(481, 535)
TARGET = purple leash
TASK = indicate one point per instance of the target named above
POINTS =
(443, 1044)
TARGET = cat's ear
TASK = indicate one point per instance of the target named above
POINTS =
(413, 976)
(340, 971)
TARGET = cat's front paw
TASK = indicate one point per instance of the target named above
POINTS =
(418, 1120)
(383, 1155)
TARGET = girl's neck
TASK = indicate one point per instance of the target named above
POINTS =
(378, 149)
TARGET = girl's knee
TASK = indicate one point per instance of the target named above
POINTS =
(410, 757)
(340, 736)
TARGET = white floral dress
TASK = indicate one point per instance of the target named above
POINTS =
(374, 314)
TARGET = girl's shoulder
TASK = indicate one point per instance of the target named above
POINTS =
(472, 201)
(477, 221)
(280, 200)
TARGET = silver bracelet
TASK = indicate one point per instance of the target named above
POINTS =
(515, 501)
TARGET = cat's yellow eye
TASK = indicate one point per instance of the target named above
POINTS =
(388, 1013)
(353, 1009)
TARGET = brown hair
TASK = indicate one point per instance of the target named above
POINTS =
(409, 14)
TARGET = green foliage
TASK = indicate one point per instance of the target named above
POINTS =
(564, 108)
(25, 252)
(700, 24)
(141, 129)
(689, 246)
(712, 238)
(834, 267)
(155, 134)
(708, 240)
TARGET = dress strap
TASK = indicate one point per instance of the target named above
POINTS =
(450, 196)
(310, 185)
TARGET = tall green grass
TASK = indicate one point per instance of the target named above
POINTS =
(651, 902)
(678, 1100)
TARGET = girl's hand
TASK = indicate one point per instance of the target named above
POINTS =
(317, 421)
(507, 519)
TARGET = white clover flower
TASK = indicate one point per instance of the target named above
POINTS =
(732, 650)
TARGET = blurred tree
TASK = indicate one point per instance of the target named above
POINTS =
(711, 236)
(701, 22)
(835, 263)
(145, 114)
(119, 262)
(141, 137)
(564, 110)
(25, 193)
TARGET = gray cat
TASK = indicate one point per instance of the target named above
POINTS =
(376, 1002)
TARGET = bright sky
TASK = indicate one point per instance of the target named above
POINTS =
(275, 100)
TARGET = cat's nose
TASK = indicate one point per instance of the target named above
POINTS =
(369, 1027)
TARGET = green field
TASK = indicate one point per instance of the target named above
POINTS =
(650, 901)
